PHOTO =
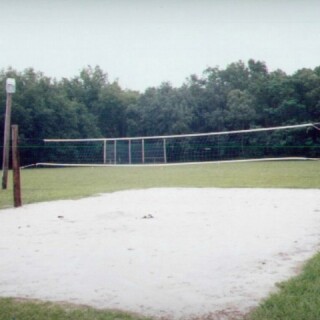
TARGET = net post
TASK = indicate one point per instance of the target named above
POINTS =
(142, 150)
(115, 152)
(104, 151)
(16, 167)
(165, 150)
(129, 151)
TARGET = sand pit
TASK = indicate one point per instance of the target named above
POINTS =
(175, 253)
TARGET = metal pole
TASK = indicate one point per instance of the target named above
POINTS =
(129, 151)
(115, 152)
(6, 142)
(165, 150)
(142, 146)
(104, 151)
(16, 167)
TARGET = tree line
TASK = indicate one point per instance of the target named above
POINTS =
(241, 96)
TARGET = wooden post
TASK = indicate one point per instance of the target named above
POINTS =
(16, 168)
(6, 142)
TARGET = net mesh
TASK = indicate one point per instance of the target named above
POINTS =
(295, 141)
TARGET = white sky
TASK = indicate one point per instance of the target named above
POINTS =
(145, 42)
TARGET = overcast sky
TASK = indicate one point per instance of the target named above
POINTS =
(145, 42)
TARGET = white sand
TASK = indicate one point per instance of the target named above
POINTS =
(217, 251)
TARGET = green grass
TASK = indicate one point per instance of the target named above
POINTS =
(298, 298)
(17, 309)
(70, 183)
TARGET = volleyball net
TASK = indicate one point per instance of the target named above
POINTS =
(283, 142)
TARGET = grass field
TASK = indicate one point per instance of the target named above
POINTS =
(67, 183)
(298, 298)
(17, 309)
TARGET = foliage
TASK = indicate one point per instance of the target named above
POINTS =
(90, 106)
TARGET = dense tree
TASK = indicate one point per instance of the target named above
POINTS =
(241, 96)
(241, 113)
(111, 110)
(159, 111)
